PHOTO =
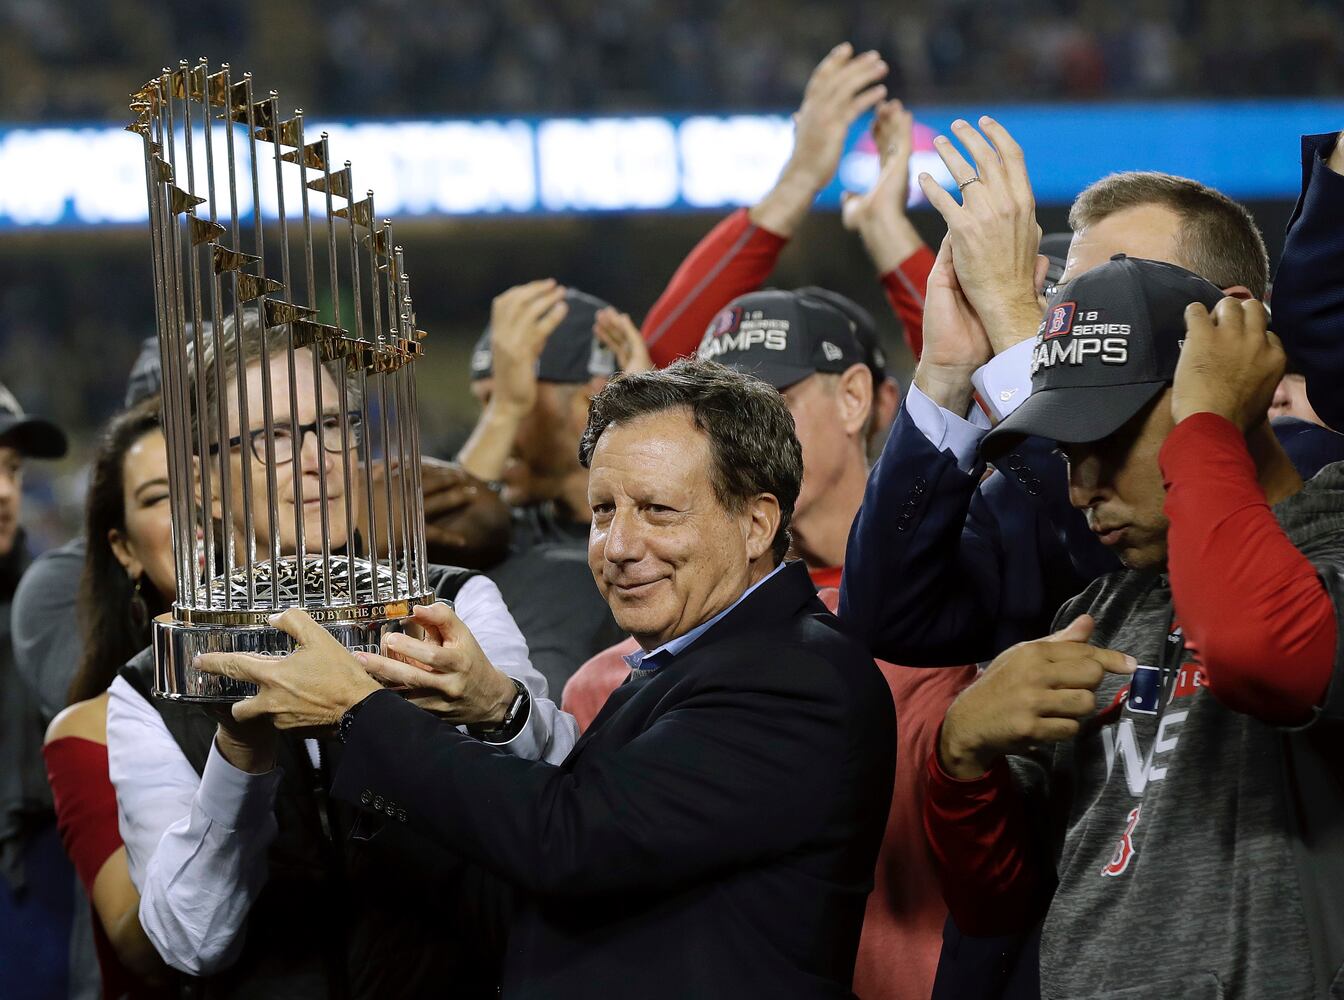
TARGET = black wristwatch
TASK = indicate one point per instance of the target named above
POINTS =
(515, 718)
(348, 719)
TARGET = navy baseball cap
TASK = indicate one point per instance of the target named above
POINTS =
(1107, 347)
(865, 329)
(781, 337)
(30, 436)
(572, 354)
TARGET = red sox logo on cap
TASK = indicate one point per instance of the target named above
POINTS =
(1061, 319)
(726, 321)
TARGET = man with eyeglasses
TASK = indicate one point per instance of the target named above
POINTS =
(251, 879)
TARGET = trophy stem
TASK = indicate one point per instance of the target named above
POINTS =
(154, 185)
(418, 489)
(177, 429)
(375, 312)
(317, 348)
(343, 389)
(202, 443)
(216, 322)
(267, 397)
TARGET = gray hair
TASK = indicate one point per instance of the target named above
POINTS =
(254, 347)
(750, 429)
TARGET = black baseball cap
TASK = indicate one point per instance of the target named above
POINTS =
(781, 337)
(572, 354)
(1107, 347)
(865, 329)
(30, 436)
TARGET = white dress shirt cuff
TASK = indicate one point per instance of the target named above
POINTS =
(946, 430)
(236, 799)
(1005, 381)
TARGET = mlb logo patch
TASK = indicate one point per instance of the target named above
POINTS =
(1060, 320)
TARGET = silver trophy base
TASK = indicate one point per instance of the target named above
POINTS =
(177, 644)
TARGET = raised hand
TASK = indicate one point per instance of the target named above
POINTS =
(1230, 364)
(993, 229)
(878, 215)
(841, 88)
(521, 319)
(618, 333)
(1036, 692)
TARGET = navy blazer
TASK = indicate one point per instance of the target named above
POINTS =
(1309, 286)
(941, 569)
(713, 834)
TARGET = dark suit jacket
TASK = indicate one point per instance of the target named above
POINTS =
(712, 835)
(1308, 293)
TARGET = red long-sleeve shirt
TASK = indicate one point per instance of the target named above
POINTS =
(736, 257)
(1266, 633)
(1253, 610)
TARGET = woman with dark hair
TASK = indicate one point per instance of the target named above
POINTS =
(128, 579)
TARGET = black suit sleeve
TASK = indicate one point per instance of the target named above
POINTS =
(737, 772)
(1308, 294)
(920, 582)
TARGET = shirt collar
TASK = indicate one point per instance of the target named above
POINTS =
(655, 658)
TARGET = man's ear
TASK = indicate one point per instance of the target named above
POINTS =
(854, 399)
(763, 526)
(1239, 292)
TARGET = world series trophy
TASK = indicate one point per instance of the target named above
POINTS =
(216, 152)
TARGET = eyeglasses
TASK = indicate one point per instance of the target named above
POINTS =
(328, 431)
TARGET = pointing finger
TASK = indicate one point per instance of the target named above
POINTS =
(1078, 630)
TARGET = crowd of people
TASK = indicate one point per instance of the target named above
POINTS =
(755, 672)
(69, 60)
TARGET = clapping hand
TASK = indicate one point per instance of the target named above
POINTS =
(993, 229)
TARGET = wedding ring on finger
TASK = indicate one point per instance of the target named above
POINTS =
(967, 183)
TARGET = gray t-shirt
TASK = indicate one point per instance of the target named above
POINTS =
(1179, 832)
